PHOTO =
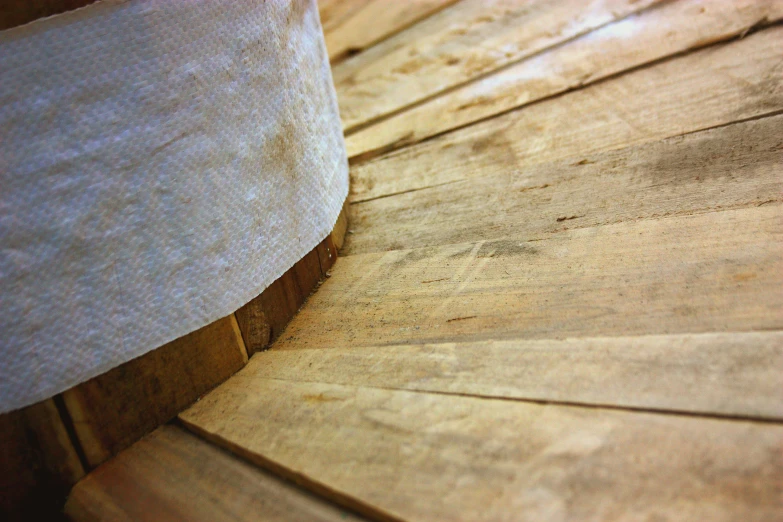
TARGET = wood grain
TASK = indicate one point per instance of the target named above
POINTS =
(38, 461)
(264, 318)
(400, 455)
(112, 411)
(731, 374)
(727, 167)
(708, 88)
(170, 475)
(719, 271)
(376, 21)
(663, 30)
(460, 43)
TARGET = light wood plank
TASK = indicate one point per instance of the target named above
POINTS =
(417, 456)
(170, 475)
(376, 21)
(712, 87)
(727, 167)
(719, 271)
(112, 411)
(732, 374)
(462, 42)
(335, 12)
(663, 30)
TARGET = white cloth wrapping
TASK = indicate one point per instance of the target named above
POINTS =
(161, 163)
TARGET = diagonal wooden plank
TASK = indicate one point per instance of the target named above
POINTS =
(377, 20)
(727, 167)
(719, 271)
(712, 87)
(170, 475)
(462, 42)
(402, 455)
(333, 13)
(731, 374)
(649, 35)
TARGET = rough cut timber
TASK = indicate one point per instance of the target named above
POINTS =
(458, 44)
(170, 475)
(643, 37)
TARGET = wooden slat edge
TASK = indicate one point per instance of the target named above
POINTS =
(39, 463)
(732, 374)
(173, 475)
(113, 410)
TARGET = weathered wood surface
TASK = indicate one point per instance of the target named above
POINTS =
(704, 89)
(112, 411)
(730, 374)
(38, 463)
(734, 166)
(458, 44)
(335, 12)
(375, 21)
(170, 475)
(718, 271)
(403, 455)
(652, 34)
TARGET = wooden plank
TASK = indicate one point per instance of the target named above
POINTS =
(39, 463)
(403, 455)
(112, 411)
(719, 271)
(341, 227)
(19, 12)
(170, 475)
(335, 12)
(731, 374)
(458, 44)
(712, 87)
(726, 167)
(663, 30)
(376, 21)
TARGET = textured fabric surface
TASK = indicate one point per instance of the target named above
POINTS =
(161, 163)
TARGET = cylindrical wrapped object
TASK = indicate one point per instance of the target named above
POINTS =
(161, 163)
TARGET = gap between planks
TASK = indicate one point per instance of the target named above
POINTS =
(729, 375)
(459, 43)
(406, 455)
(596, 56)
(704, 89)
(733, 166)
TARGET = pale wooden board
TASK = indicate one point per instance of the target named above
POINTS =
(112, 411)
(731, 374)
(712, 87)
(335, 12)
(658, 32)
(460, 43)
(420, 456)
(726, 167)
(375, 21)
(719, 271)
(170, 475)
